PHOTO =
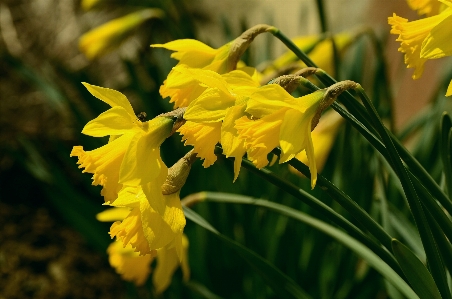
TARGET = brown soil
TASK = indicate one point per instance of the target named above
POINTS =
(40, 258)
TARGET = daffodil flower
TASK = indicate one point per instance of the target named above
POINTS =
(136, 267)
(108, 36)
(196, 54)
(280, 120)
(423, 39)
(210, 117)
(133, 156)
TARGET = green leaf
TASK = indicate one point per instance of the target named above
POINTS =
(445, 149)
(281, 284)
(368, 255)
(417, 274)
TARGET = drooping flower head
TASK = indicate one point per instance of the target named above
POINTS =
(135, 267)
(196, 54)
(281, 120)
(193, 54)
(108, 36)
(132, 157)
(423, 39)
(210, 117)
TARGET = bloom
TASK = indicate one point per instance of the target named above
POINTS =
(210, 117)
(196, 54)
(135, 267)
(423, 39)
(132, 157)
(281, 120)
(108, 36)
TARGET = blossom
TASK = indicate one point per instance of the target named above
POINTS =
(210, 117)
(108, 36)
(196, 54)
(423, 39)
(280, 120)
(135, 267)
(132, 157)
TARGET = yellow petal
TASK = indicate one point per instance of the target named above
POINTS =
(110, 96)
(210, 106)
(449, 90)
(425, 7)
(322, 138)
(261, 136)
(153, 191)
(232, 144)
(104, 163)
(311, 158)
(142, 162)
(204, 137)
(131, 266)
(113, 214)
(130, 231)
(438, 43)
(115, 121)
(292, 134)
(156, 230)
(174, 215)
(182, 89)
(206, 77)
(190, 52)
(238, 78)
(269, 99)
(167, 263)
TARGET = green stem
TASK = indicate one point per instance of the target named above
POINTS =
(327, 212)
(431, 250)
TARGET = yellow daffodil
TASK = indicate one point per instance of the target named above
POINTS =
(136, 268)
(423, 39)
(210, 117)
(109, 35)
(133, 157)
(196, 54)
(131, 266)
(183, 88)
(281, 120)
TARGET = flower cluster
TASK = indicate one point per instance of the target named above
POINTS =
(427, 38)
(227, 105)
(218, 101)
(132, 174)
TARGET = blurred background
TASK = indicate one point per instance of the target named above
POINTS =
(51, 245)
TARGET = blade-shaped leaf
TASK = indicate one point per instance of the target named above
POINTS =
(369, 256)
(417, 274)
(281, 284)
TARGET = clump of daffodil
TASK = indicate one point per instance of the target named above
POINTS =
(210, 117)
(135, 267)
(108, 36)
(195, 54)
(424, 39)
(275, 118)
